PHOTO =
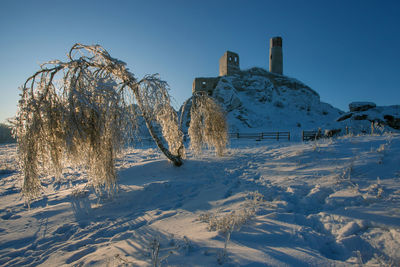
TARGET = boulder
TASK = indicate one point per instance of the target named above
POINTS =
(344, 116)
(392, 121)
(361, 106)
(360, 117)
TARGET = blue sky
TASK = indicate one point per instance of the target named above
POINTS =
(345, 50)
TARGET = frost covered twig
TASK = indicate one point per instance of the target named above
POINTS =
(80, 111)
(208, 125)
(232, 221)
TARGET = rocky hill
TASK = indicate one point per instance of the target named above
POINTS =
(257, 100)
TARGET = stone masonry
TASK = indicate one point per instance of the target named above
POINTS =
(276, 56)
(229, 65)
(203, 84)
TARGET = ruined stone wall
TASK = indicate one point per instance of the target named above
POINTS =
(203, 84)
(229, 64)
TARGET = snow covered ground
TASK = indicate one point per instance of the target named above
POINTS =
(326, 203)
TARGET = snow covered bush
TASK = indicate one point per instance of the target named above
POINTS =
(80, 112)
(155, 249)
(208, 125)
(377, 128)
(226, 223)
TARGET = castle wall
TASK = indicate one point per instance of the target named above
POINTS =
(203, 84)
(229, 64)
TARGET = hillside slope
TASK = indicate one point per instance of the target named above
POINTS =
(257, 100)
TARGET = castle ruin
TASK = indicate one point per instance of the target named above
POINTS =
(229, 65)
(275, 55)
(205, 84)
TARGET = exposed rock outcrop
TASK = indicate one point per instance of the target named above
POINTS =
(392, 121)
(362, 114)
(361, 106)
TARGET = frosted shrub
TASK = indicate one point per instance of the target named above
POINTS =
(381, 148)
(159, 253)
(208, 125)
(80, 112)
(156, 258)
(228, 222)
(377, 128)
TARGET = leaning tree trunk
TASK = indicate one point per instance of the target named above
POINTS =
(85, 116)
(177, 160)
(121, 72)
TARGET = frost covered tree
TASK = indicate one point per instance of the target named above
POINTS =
(80, 112)
(207, 124)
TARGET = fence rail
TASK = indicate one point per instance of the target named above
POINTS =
(262, 136)
(310, 135)
(305, 135)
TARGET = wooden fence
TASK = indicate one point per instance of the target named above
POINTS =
(311, 135)
(262, 136)
(305, 135)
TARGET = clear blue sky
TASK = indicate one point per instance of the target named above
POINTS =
(345, 50)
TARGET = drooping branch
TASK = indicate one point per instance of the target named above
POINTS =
(207, 124)
(77, 111)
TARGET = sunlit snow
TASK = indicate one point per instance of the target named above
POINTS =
(331, 202)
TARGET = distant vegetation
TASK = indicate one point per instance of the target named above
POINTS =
(5, 134)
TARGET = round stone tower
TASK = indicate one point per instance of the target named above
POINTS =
(275, 55)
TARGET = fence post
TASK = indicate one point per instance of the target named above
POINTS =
(288, 136)
(277, 136)
(302, 135)
(237, 135)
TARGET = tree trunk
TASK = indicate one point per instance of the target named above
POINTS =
(177, 160)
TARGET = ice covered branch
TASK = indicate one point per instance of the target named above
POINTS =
(80, 112)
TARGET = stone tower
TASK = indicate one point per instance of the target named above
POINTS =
(229, 64)
(275, 55)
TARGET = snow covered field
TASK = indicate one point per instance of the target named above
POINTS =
(327, 203)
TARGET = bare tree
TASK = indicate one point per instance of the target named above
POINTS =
(80, 112)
